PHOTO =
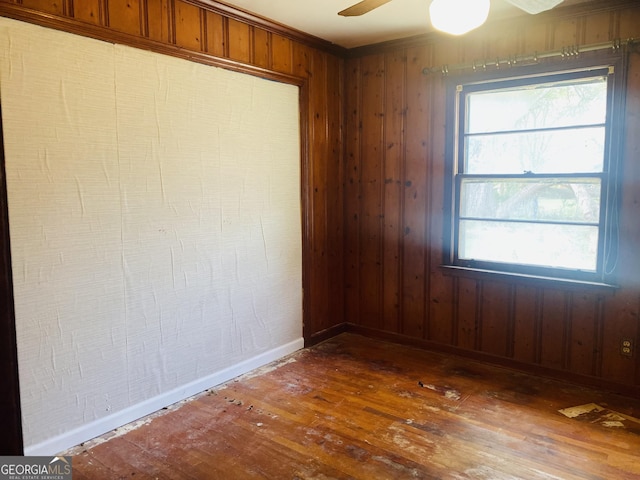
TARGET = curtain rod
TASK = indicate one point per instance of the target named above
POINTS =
(572, 51)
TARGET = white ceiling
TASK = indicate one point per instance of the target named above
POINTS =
(396, 19)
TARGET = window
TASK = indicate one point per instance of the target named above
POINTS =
(533, 175)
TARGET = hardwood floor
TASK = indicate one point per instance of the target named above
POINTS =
(354, 407)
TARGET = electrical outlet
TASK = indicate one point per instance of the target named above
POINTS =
(626, 347)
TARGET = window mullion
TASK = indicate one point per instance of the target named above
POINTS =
(535, 130)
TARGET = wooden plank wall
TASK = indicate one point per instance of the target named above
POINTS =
(211, 31)
(394, 200)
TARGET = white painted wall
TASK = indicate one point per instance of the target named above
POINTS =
(155, 222)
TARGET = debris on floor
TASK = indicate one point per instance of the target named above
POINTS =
(598, 414)
(447, 392)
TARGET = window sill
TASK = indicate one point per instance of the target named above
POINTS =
(536, 280)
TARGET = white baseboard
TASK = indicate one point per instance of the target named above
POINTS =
(99, 427)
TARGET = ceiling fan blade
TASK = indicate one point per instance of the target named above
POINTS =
(535, 6)
(362, 7)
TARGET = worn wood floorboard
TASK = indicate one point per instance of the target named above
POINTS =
(359, 408)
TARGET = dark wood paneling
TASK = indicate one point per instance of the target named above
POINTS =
(552, 327)
(91, 11)
(126, 16)
(190, 26)
(318, 185)
(467, 315)
(495, 303)
(597, 28)
(554, 324)
(262, 49)
(621, 312)
(352, 176)
(526, 318)
(584, 328)
(334, 200)
(332, 189)
(159, 21)
(239, 41)
(393, 142)
(57, 7)
(414, 197)
(281, 53)
(627, 22)
(565, 32)
(631, 201)
(442, 306)
(216, 34)
(371, 178)
(535, 38)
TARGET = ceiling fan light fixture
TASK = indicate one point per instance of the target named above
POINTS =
(535, 6)
(458, 17)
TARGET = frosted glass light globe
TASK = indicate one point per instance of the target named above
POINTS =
(458, 16)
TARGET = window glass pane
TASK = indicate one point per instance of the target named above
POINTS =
(550, 105)
(546, 199)
(560, 246)
(557, 151)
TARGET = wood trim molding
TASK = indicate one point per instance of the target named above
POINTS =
(306, 197)
(326, 334)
